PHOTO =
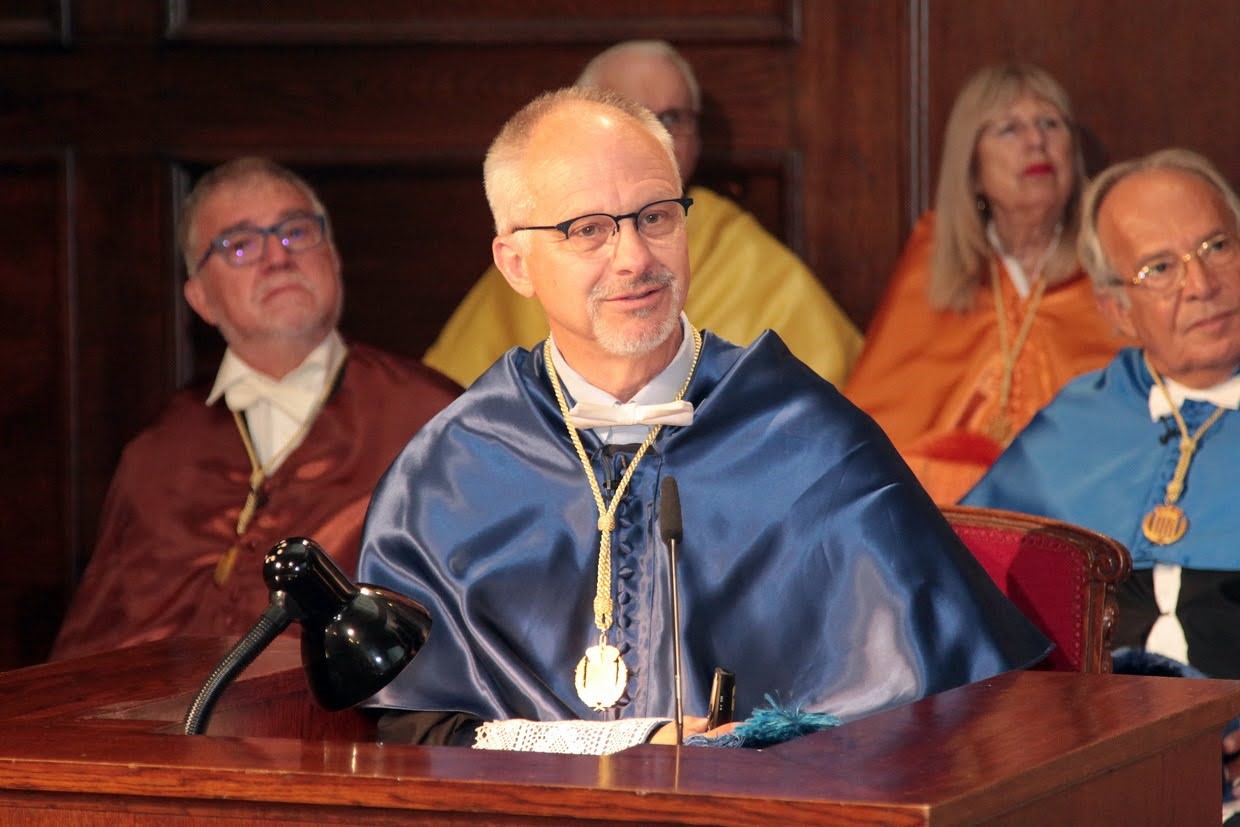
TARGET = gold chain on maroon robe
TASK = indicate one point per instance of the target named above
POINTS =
(256, 497)
(1166, 523)
(602, 674)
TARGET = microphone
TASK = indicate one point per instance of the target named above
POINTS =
(672, 532)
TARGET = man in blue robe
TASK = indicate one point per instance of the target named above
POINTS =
(1146, 449)
(813, 565)
(1160, 242)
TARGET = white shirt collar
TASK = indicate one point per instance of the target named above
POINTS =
(1225, 394)
(306, 381)
(1016, 273)
(662, 388)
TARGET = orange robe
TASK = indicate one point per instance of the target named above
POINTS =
(931, 377)
(172, 508)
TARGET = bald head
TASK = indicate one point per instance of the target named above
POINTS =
(652, 73)
(639, 56)
(591, 166)
(1170, 236)
(511, 166)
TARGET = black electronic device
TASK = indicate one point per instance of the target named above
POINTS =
(722, 699)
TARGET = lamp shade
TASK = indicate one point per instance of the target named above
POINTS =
(354, 639)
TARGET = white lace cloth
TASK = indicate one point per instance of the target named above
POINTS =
(566, 737)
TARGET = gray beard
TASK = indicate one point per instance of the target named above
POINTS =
(619, 344)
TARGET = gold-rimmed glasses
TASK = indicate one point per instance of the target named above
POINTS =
(1168, 272)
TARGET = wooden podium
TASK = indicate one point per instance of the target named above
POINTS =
(94, 741)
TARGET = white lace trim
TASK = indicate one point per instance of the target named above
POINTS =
(566, 737)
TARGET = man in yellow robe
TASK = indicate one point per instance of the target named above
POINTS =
(744, 279)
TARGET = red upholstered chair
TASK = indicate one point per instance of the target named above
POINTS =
(1061, 576)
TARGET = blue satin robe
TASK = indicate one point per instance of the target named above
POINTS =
(1094, 458)
(813, 564)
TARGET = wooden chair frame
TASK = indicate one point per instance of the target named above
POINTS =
(1103, 563)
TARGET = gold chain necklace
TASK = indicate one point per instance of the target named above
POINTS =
(1000, 428)
(1166, 522)
(601, 673)
(256, 497)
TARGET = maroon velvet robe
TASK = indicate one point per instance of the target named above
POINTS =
(172, 508)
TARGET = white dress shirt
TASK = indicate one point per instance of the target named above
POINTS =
(661, 389)
(1166, 636)
(275, 410)
(1016, 272)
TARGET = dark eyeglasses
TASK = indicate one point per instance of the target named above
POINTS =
(678, 121)
(246, 246)
(660, 222)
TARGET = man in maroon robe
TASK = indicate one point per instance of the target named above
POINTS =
(290, 440)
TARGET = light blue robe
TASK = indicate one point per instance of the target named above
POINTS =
(1094, 458)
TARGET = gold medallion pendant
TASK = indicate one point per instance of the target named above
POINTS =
(602, 674)
(1164, 524)
(601, 677)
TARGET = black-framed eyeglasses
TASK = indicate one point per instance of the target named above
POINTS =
(678, 121)
(659, 222)
(1168, 273)
(245, 246)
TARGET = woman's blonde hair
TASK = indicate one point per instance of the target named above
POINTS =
(961, 251)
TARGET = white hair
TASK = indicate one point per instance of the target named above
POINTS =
(237, 171)
(1089, 246)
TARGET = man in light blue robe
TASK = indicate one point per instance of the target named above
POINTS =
(1147, 449)
(1097, 457)
(1161, 245)
(812, 565)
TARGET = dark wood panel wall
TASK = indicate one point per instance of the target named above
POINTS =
(822, 116)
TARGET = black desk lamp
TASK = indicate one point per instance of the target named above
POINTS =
(354, 639)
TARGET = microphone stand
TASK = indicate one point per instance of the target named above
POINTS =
(680, 713)
(672, 531)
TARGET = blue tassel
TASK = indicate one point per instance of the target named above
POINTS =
(1131, 661)
(769, 725)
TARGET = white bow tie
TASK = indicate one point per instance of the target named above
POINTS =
(586, 415)
(1224, 395)
(292, 399)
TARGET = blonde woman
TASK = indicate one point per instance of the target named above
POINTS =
(988, 314)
